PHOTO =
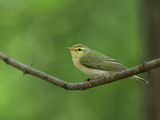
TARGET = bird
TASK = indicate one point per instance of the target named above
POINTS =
(96, 64)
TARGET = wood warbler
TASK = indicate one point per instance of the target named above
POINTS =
(95, 63)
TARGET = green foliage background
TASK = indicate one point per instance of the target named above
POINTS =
(38, 32)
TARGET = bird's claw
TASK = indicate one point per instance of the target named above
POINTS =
(89, 79)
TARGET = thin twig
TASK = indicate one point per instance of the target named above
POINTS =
(81, 85)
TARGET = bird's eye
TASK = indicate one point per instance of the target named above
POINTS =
(79, 49)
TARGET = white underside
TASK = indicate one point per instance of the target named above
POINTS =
(90, 71)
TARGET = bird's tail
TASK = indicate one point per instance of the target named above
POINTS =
(141, 79)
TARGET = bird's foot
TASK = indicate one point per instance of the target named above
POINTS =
(89, 79)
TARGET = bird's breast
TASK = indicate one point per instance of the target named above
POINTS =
(89, 71)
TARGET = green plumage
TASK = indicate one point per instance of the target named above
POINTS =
(96, 64)
(99, 61)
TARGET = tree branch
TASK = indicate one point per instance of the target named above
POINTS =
(146, 66)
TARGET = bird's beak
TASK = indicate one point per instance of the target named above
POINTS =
(69, 48)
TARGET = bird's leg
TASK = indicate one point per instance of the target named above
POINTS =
(94, 78)
(89, 79)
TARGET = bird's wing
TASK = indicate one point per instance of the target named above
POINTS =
(97, 60)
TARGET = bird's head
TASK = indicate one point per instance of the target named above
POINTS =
(78, 50)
